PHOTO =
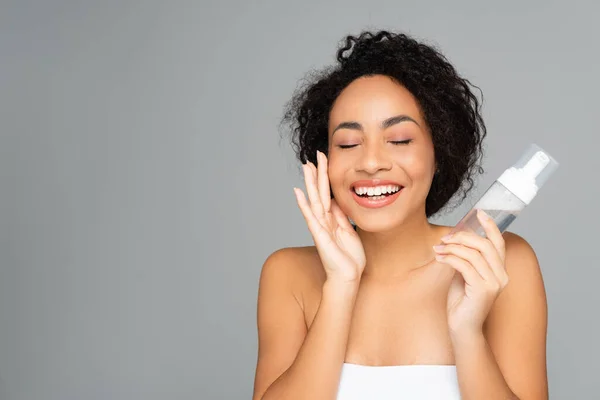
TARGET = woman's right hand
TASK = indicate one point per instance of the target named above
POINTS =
(338, 244)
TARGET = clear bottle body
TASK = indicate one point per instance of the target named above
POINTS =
(499, 203)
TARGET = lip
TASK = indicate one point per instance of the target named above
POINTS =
(374, 182)
(369, 203)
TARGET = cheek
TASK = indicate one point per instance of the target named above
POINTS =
(337, 171)
(417, 165)
(336, 176)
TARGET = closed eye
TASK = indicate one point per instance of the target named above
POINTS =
(399, 142)
(396, 142)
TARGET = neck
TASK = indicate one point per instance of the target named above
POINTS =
(403, 249)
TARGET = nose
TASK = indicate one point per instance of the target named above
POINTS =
(373, 159)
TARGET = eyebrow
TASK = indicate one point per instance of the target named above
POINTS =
(384, 125)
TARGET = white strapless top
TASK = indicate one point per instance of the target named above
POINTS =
(406, 382)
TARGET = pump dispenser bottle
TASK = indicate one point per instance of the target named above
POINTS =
(512, 192)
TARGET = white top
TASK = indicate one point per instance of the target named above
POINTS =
(406, 382)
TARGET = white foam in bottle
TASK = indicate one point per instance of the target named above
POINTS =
(512, 192)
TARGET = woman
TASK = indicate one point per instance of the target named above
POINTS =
(393, 307)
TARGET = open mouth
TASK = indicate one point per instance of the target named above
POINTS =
(375, 193)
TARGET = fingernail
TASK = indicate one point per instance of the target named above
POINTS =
(439, 257)
(482, 214)
(439, 247)
(446, 237)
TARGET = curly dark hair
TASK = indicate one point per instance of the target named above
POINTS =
(451, 110)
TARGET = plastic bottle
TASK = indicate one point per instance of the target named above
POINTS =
(512, 191)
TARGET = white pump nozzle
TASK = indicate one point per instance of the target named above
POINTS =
(524, 182)
(536, 164)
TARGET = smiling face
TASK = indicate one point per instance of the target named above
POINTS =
(379, 143)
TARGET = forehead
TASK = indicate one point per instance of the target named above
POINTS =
(373, 99)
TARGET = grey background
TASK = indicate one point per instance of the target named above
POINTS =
(144, 183)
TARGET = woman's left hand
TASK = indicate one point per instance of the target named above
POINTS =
(481, 276)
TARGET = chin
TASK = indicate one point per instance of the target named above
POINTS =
(384, 217)
(377, 224)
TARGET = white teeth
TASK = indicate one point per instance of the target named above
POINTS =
(376, 190)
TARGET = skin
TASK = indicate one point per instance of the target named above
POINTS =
(383, 295)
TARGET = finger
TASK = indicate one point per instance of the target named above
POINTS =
(473, 257)
(313, 224)
(492, 232)
(483, 245)
(340, 217)
(469, 274)
(323, 179)
(311, 188)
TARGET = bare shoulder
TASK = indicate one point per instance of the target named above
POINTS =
(517, 324)
(520, 255)
(294, 262)
(281, 311)
(298, 268)
(516, 241)
(523, 269)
